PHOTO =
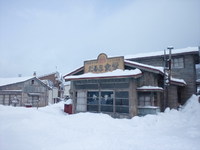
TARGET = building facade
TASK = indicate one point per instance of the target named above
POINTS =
(23, 91)
(129, 87)
(183, 63)
(55, 81)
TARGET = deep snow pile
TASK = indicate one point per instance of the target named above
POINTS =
(50, 128)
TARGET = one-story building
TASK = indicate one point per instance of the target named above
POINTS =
(126, 88)
(23, 91)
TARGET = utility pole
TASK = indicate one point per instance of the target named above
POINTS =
(167, 74)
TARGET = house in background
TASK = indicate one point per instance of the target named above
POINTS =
(134, 85)
(66, 90)
(183, 66)
(23, 91)
(55, 81)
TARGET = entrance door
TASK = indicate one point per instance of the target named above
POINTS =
(81, 101)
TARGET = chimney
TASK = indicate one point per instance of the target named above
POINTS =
(34, 73)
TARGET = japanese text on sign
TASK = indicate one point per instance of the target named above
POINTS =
(104, 64)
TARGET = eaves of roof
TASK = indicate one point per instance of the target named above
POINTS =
(75, 71)
(104, 77)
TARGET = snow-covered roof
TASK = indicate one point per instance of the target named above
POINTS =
(150, 88)
(178, 81)
(158, 69)
(153, 68)
(12, 90)
(115, 73)
(41, 76)
(160, 53)
(7, 81)
(75, 71)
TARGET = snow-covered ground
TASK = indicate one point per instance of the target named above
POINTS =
(49, 128)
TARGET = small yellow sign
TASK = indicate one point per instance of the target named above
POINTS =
(104, 64)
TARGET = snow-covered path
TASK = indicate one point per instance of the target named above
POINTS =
(49, 128)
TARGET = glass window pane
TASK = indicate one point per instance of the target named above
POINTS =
(106, 108)
(92, 107)
(122, 94)
(122, 98)
(178, 62)
(125, 102)
(93, 101)
(107, 101)
(144, 99)
(118, 102)
(92, 97)
(122, 109)
(107, 98)
(104, 101)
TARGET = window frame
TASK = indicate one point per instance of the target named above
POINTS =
(123, 107)
(178, 62)
(142, 99)
(111, 106)
(93, 107)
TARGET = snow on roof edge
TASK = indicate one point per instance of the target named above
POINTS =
(44, 75)
(114, 73)
(149, 88)
(178, 81)
(160, 69)
(160, 53)
(8, 81)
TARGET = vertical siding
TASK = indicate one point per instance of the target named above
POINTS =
(26, 88)
(172, 97)
(37, 87)
(132, 98)
(154, 61)
(148, 79)
(188, 73)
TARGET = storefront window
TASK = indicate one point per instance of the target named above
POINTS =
(103, 101)
(122, 102)
(107, 101)
(92, 100)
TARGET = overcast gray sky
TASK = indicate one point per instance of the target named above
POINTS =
(42, 35)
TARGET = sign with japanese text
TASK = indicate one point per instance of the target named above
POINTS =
(104, 64)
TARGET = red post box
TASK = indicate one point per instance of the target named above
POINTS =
(68, 108)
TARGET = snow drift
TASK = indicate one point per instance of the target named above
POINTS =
(49, 128)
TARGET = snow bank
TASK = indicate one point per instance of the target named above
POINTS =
(68, 102)
(49, 128)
